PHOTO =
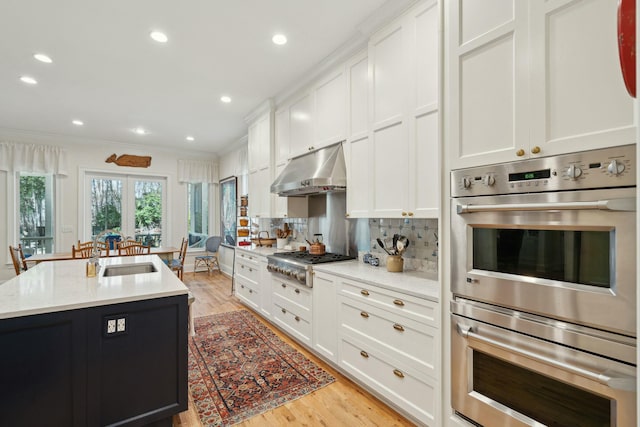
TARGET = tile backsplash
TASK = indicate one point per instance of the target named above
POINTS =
(421, 254)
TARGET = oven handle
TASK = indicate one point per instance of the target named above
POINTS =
(618, 383)
(626, 204)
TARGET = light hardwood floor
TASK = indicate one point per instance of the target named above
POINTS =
(341, 403)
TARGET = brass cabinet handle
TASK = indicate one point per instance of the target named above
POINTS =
(520, 153)
(284, 311)
(410, 213)
(364, 354)
(535, 150)
(297, 318)
(364, 314)
(297, 291)
(398, 302)
(404, 214)
(398, 327)
(365, 292)
(398, 373)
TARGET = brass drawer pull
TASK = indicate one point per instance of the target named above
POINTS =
(241, 266)
(365, 292)
(364, 354)
(284, 311)
(283, 285)
(297, 318)
(250, 269)
(398, 373)
(250, 291)
(297, 291)
(398, 302)
(242, 286)
(364, 314)
(398, 327)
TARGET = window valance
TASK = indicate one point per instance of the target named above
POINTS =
(19, 157)
(197, 171)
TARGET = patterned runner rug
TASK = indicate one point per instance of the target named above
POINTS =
(238, 368)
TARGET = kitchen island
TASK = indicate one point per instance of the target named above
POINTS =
(105, 350)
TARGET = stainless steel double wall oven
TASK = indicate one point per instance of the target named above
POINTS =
(544, 283)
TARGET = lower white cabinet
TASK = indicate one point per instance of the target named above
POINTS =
(248, 278)
(265, 289)
(325, 311)
(248, 293)
(292, 308)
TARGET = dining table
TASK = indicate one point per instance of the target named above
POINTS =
(165, 252)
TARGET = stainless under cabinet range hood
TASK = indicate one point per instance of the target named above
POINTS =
(321, 171)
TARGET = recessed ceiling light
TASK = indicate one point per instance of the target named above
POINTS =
(29, 80)
(279, 39)
(140, 131)
(77, 122)
(43, 58)
(159, 36)
(190, 138)
(226, 99)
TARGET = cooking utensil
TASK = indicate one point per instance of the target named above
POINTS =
(395, 243)
(379, 240)
(402, 244)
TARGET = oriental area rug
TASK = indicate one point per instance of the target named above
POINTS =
(239, 368)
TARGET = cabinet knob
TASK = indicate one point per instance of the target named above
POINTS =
(535, 150)
(284, 311)
(364, 314)
(297, 318)
(364, 354)
(283, 285)
(410, 213)
(398, 327)
(347, 215)
(365, 292)
(520, 153)
(404, 214)
(398, 302)
(398, 373)
(250, 291)
(297, 291)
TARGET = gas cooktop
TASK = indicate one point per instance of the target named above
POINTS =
(307, 258)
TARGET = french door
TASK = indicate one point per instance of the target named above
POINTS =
(133, 205)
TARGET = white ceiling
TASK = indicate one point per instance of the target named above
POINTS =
(107, 72)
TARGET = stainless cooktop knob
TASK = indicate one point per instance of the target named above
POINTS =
(574, 172)
(615, 167)
(489, 180)
(466, 182)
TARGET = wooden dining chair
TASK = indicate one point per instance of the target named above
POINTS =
(81, 252)
(18, 258)
(103, 247)
(132, 247)
(177, 265)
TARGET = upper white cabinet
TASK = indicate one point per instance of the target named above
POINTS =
(260, 147)
(301, 125)
(281, 143)
(330, 109)
(531, 78)
(404, 115)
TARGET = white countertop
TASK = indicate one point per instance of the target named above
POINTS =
(63, 285)
(261, 250)
(418, 284)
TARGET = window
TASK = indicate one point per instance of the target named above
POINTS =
(35, 212)
(198, 214)
(133, 205)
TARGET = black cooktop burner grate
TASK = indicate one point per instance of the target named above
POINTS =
(308, 258)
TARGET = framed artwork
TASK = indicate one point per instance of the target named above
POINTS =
(228, 210)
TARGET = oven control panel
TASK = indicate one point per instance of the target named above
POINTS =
(604, 168)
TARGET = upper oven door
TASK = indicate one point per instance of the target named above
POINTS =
(565, 255)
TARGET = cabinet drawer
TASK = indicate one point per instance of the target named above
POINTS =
(248, 269)
(408, 341)
(418, 309)
(247, 258)
(417, 396)
(300, 295)
(247, 292)
(292, 322)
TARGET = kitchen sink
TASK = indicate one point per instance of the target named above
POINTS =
(126, 269)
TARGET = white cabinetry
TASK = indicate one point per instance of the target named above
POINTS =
(391, 343)
(301, 125)
(247, 279)
(534, 79)
(292, 308)
(260, 172)
(325, 308)
(400, 151)
(330, 109)
(266, 305)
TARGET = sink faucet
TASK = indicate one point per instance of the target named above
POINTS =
(95, 253)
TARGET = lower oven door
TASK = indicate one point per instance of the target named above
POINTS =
(564, 255)
(504, 378)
